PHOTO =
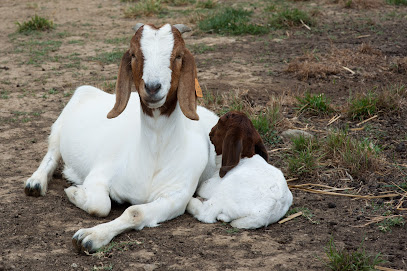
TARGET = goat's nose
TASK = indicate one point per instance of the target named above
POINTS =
(152, 89)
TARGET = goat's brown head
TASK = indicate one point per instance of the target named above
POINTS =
(162, 70)
(235, 137)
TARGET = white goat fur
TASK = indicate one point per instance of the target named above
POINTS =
(251, 195)
(153, 162)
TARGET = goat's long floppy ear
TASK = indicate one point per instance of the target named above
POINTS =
(231, 150)
(261, 150)
(186, 87)
(123, 86)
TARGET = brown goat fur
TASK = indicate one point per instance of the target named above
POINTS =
(235, 137)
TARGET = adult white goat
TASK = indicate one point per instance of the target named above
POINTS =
(152, 158)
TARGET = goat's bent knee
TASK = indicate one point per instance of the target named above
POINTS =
(96, 204)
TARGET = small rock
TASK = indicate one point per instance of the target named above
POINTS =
(150, 267)
(401, 147)
(331, 205)
(292, 133)
(74, 265)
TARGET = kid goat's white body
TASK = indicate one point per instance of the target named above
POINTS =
(251, 195)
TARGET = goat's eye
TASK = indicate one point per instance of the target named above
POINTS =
(133, 56)
(178, 57)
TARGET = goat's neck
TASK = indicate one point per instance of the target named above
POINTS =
(159, 132)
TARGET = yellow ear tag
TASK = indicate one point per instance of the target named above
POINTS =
(198, 89)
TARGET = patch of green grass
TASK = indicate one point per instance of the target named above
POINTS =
(109, 86)
(231, 21)
(210, 99)
(81, 42)
(201, 48)
(53, 91)
(305, 213)
(73, 61)
(388, 223)
(109, 248)
(290, 17)
(109, 57)
(397, 2)
(39, 51)
(178, 2)
(229, 229)
(144, 8)
(263, 126)
(305, 156)
(63, 34)
(118, 41)
(338, 148)
(21, 116)
(68, 93)
(36, 23)
(343, 260)
(4, 94)
(236, 104)
(316, 104)
(355, 155)
(363, 106)
(208, 4)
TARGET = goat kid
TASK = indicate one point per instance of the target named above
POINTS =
(152, 155)
(247, 191)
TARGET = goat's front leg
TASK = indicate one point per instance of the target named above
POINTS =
(37, 184)
(93, 195)
(135, 217)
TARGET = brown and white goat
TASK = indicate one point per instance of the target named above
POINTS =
(247, 191)
(151, 155)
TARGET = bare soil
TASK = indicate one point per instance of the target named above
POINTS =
(36, 233)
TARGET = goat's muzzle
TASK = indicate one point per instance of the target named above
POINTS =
(152, 89)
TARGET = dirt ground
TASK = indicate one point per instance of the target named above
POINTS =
(39, 72)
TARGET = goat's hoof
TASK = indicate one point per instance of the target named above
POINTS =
(33, 189)
(80, 247)
(89, 240)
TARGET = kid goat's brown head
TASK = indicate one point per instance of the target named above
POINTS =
(235, 137)
(162, 70)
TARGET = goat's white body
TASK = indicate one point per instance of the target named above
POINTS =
(154, 163)
(251, 195)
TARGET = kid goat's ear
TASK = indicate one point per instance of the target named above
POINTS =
(123, 86)
(231, 150)
(261, 150)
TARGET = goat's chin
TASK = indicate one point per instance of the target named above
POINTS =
(155, 104)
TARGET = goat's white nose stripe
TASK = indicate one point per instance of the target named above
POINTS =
(156, 46)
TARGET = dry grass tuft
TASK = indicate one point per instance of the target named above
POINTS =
(400, 65)
(360, 4)
(364, 60)
(306, 69)
(368, 50)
